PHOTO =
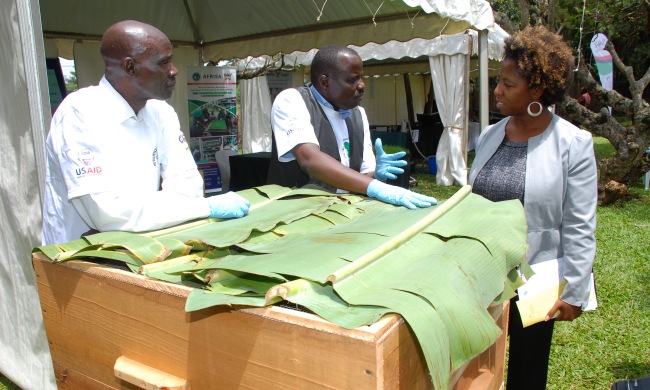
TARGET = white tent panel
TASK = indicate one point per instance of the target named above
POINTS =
(183, 57)
(477, 12)
(255, 115)
(380, 100)
(252, 27)
(448, 73)
(24, 352)
(89, 64)
(385, 100)
(393, 49)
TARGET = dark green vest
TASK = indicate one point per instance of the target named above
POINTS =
(289, 174)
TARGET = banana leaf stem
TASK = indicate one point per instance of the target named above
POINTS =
(401, 238)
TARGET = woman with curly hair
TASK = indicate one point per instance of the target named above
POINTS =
(548, 164)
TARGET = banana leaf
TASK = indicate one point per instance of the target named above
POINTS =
(201, 299)
(234, 231)
(322, 300)
(235, 282)
(148, 250)
(51, 251)
(89, 253)
(171, 270)
(347, 259)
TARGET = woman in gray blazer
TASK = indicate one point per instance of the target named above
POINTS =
(548, 164)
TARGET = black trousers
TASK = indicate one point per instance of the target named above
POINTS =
(528, 352)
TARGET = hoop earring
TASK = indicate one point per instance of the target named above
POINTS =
(541, 108)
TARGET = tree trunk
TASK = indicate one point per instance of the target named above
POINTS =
(551, 14)
(525, 13)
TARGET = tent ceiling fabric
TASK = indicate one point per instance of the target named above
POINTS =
(394, 57)
(253, 28)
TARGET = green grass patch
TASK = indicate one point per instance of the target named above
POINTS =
(6, 384)
(603, 148)
(611, 344)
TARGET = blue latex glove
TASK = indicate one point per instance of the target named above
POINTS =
(228, 205)
(387, 164)
(398, 196)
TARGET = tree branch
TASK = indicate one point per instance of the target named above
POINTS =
(269, 67)
(610, 98)
(636, 87)
(646, 78)
(628, 71)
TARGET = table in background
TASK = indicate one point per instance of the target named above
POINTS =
(249, 170)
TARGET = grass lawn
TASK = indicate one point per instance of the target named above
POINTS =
(613, 342)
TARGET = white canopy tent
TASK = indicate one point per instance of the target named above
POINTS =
(449, 83)
(208, 30)
(201, 30)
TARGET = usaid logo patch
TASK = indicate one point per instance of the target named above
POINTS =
(86, 158)
(86, 171)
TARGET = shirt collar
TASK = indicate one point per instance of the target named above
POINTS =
(120, 108)
(344, 114)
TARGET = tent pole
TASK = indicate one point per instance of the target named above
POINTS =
(484, 96)
(466, 85)
(409, 98)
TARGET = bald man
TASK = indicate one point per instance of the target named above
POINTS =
(116, 158)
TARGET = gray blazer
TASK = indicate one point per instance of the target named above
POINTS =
(560, 199)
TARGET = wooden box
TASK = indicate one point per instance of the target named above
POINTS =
(95, 314)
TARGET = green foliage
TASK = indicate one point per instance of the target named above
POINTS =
(508, 8)
(71, 84)
(625, 22)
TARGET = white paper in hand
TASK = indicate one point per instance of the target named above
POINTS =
(543, 289)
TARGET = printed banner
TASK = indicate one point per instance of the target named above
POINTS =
(603, 61)
(212, 105)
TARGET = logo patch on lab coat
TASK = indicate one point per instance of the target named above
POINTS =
(86, 157)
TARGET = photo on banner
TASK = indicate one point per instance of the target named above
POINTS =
(212, 108)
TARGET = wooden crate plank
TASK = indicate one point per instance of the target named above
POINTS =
(94, 315)
(92, 319)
